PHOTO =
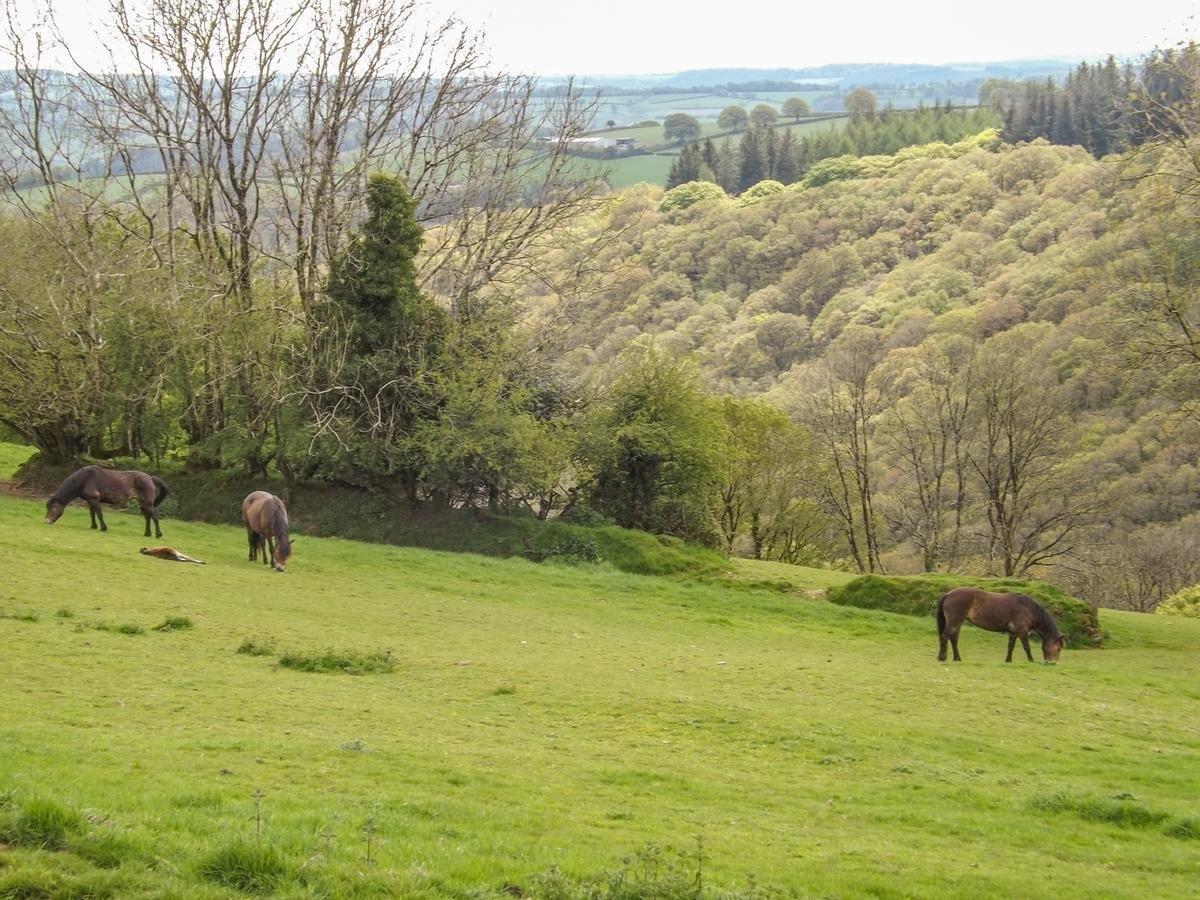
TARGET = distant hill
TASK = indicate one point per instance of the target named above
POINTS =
(841, 74)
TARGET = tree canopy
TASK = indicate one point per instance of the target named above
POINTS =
(681, 127)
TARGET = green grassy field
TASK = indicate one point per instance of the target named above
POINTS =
(630, 170)
(12, 457)
(546, 716)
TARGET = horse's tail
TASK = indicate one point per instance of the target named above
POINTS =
(941, 615)
(163, 490)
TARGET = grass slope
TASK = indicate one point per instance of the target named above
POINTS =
(544, 716)
(316, 509)
(12, 457)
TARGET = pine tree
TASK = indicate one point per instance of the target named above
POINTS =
(753, 165)
(728, 168)
(770, 144)
(374, 281)
(686, 167)
(786, 170)
(382, 343)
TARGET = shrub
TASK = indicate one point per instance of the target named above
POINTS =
(1185, 602)
(244, 866)
(567, 547)
(41, 824)
(917, 596)
(352, 662)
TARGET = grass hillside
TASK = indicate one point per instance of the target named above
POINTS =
(530, 726)
(323, 509)
(917, 595)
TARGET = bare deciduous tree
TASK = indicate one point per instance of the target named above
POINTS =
(241, 135)
(839, 399)
(926, 433)
(1034, 507)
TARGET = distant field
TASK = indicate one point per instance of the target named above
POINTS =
(653, 168)
(627, 109)
(653, 134)
(631, 170)
(546, 716)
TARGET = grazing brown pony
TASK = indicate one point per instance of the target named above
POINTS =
(1015, 613)
(98, 485)
(266, 521)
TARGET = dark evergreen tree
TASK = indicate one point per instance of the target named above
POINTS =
(686, 167)
(380, 345)
(753, 163)
(786, 170)
(728, 167)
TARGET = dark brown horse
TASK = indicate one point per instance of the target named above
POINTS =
(97, 485)
(266, 521)
(1014, 613)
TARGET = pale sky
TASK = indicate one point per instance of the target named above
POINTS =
(556, 37)
(647, 36)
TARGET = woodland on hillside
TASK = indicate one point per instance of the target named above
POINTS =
(371, 268)
(991, 348)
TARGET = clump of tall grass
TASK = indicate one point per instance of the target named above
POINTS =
(352, 662)
(174, 623)
(653, 871)
(126, 628)
(40, 824)
(1122, 813)
(107, 850)
(257, 647)
(20, 615)
(246, 866)
(1185, 829)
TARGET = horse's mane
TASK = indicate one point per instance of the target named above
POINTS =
(71, 486)
(1044, 623)
(279, 525)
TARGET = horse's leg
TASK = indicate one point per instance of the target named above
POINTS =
(1025, 644)
(146, 516)
(252, 540)
(954, 642)
(1012, 642)
(157, 526)
(97, 512)
(269, 551)
(942, 642)
(92, 512)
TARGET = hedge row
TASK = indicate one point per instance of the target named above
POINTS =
(917, 595)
